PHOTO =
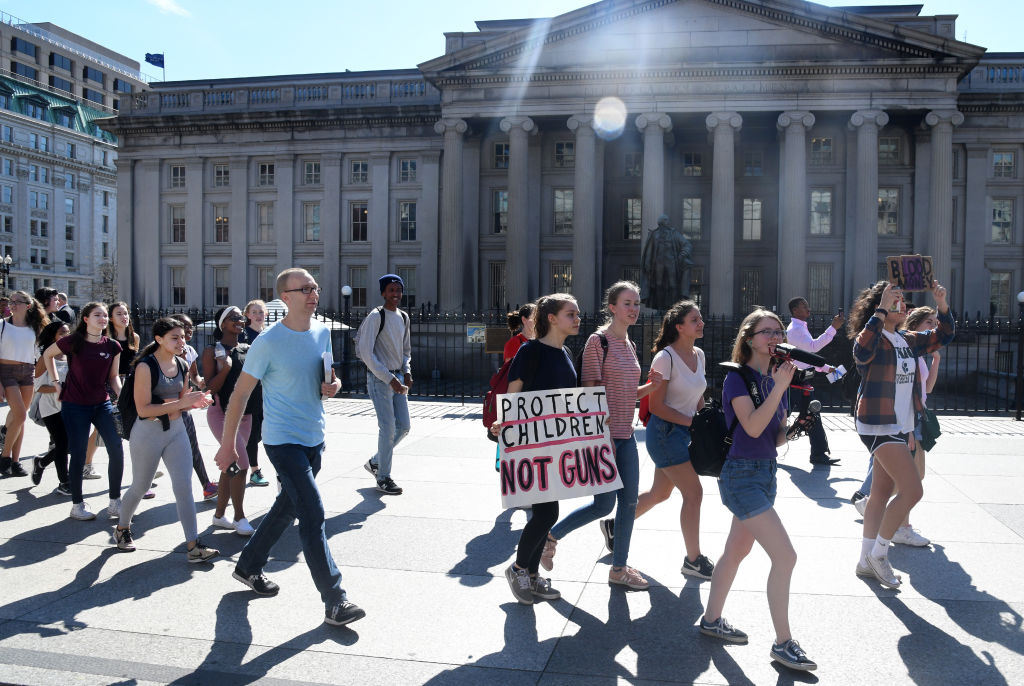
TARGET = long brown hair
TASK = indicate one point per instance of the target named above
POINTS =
(741, 350)
(129, 332)
(549, 304)
(863, 307)
(35, 314)
(161, 327)
(674, 315)
(515, 319)
(78, 336)
(611, 297)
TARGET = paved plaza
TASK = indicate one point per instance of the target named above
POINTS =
(427, 567)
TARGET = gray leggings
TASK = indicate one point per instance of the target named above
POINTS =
(148, 443)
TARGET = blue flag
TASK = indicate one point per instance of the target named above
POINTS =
(155, 58)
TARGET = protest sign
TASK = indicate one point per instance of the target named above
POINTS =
(910, 272)
(555, 445)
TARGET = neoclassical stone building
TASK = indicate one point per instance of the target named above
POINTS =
(796, 145)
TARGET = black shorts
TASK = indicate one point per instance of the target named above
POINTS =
(873, 443)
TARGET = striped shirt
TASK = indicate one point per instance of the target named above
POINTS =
(620, 376)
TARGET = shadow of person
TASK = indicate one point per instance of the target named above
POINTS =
(486, 551)
(816, 484)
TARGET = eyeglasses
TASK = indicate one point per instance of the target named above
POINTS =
(771, 333)
(305, 290)
(236, 318)
(20, 302)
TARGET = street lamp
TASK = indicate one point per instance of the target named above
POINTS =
(346, 293)
(1020, 353)
(5, 270)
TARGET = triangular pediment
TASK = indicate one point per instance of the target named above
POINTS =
(672, 34)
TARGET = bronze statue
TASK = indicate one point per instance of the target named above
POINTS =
(665, 266)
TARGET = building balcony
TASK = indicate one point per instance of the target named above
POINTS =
(996, 73)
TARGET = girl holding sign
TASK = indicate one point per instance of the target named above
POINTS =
(613, 365)
(887, 400)
(747, 484)
(557, 317)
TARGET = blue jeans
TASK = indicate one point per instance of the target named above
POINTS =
(297, 467)
(392, 422)
(77, 419)
(627, 461)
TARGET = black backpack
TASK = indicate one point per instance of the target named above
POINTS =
(126, 401)
(710, 437)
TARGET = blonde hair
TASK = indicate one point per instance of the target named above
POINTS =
(251, 303)
(741, 348)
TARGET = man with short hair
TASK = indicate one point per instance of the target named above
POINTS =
(288, 359)
(64, 311)
(385, 347)
(799, 336)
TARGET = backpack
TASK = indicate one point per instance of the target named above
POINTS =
(710, 438)
(380, 309)
(499, 386)
(645, 402)
(126, 401)
(578, 362)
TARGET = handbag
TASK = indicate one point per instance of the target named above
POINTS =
(930, 430)
(34, 412)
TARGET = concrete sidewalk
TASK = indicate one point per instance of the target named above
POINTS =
(427, 567)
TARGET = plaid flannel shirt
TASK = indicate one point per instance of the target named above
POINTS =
(876, 362)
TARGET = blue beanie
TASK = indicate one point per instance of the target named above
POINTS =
(390, 278)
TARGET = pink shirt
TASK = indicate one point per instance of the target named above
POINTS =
(619, 374)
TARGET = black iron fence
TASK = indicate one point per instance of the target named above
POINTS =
(980, 372)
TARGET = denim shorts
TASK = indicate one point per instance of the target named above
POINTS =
(748, 486)
(667, 443)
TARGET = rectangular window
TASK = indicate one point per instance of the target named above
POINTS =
(357, 280)
(407, 222)
(565, 154)
(72, 289)
(359, 171)
(634, 164)
(563, 211)
(311, 221)
(33, 141)
(106, 198)
(311, 173)
(496, 285)
(1004, 165)
(221, 175)
(693, 164)
(266, 281)
(177, 223)
(821, 151)
(750, 288)
(38, 201)
(177, 176)
(64, 118)
(221, 286)
(60, 61)
(69, 150)
(408, 275)
(69, 260)
(69, 233)
(24, 47)
(265, 222)
(221, 224)
(631, 273)
(266, 177)
(1002, 221)
(106, 224)
(956, 163)
(69, 181)
(561, 277)
(691, 218)
(8, 134)
(91, 74)
(999, 293)
(889, 150)
(501, 155)
(632, 229)
(44, 143)
(69, 205)
(360, 217)
(821, 212)
(499, 210)
(6, 194)
(29, 73)
(39, 257)
(406, 170)
(753, 163)
(94, 96)
(61, 84)
(122, 86)
(178, 286)
(751, 220)
(44, 175)
(819, 287)
(38, 227)
(7, 225)
(888, 211)
(9, 167)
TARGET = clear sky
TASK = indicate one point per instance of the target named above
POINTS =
(225, 38)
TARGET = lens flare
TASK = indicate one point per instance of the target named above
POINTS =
(609, 118)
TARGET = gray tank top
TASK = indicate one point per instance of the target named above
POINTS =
(169, 389)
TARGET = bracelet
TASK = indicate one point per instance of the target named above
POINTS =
(883, 310)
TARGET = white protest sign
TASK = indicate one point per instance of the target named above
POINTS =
(555, 445)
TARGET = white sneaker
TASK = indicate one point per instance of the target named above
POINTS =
(114, 509)
(861, 505)
(243, 527)
(908, 536)
(81, 512)
(223, 522)
(883, 571)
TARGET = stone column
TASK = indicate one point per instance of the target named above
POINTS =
(654, 126)
(123, 225)
(450, 273)
(284, 211)
(940, 205)
(865, 261)
(723, 126)
(794, 205)
(150, 231)
(426, 227)
(238, 230)
(517, 247)
(379, 208)
(976, 276)
(331, 279)
(195, 236)
(585, 239)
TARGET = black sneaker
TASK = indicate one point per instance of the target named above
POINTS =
(5, 466)
(723, 630)
(793, 656)
(388, 487)
(824, 460)
(372, 468)
(343, 613)
(701, 568)
(37, 470)
(62, 489)
(17, 469)
(257, 582)
(608, 529)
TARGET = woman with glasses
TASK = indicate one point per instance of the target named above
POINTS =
(222, 363)
(18, 353)
(747, 484)
(197, 382)
(255, 321)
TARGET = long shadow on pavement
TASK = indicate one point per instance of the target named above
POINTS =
(487, 550)
(816, 484)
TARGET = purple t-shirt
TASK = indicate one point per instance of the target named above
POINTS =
(744, 446)
(88, 370)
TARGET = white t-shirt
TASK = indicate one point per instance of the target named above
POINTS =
(685, 387)
(906, 377)
(18, 343)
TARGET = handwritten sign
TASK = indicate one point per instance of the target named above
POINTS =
(555, 445)
(910, 272)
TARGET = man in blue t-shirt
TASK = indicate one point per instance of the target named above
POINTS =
(288, 359)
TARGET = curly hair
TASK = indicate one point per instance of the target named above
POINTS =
(863, 307)
(916, 316)
(741, 350)
(675, 315)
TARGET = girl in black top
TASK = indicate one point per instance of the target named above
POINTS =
(557, 317)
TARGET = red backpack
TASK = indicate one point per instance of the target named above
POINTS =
(499, 386)
(645, 402)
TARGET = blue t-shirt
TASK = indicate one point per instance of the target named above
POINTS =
(743, 445)
(290, 366)
(552, 367)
